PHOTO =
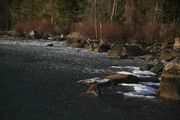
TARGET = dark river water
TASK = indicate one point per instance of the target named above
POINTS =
(40, 83)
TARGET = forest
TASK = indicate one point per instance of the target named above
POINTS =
(142, 20)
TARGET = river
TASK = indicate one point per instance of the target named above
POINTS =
(40, 83)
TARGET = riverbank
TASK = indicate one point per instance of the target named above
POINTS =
(40, 82)
(161, 55)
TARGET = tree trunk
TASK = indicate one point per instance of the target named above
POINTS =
(113, 10)
(95, 19)
(100, 27)
(156, 12)
(129, 12)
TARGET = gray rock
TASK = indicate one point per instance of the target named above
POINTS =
(134, 50)
(50, 45)
(157, 68)
(146, 67)
(118, 51)
(124, 51)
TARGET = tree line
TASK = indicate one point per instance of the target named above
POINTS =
(130, 15)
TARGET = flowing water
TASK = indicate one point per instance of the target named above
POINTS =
(40, 83)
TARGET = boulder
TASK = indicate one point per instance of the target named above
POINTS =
(33, 35)
(93, 89)
(146, 67)
(121, 78)
(170, 82)
(134, 50)
(103, 47)
(149, 57)
(177, 44)
(46, 36)
(75, 40)
(169, 55)
(176, 54)
(50, 45)
(154, 49)
(75, 35)
(117, 51)
(76, 45)
(157, 68)
(30, 34)
(166, 55)
(124, 51)
(165, 45)
(59, 37)
(18, 34)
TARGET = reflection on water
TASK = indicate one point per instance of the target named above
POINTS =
(40, 83)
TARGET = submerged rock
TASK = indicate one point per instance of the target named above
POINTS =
(170, 83)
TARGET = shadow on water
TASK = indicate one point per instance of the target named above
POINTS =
(39, 83)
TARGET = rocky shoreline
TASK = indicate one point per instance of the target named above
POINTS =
(166, 55)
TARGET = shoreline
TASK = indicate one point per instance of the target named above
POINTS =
(143, 68)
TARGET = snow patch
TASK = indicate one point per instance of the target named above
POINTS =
(150, 83)
(126, 67)
(138, 73)
(143, 73)
(125, 73)
(93, 80)
(140, 91)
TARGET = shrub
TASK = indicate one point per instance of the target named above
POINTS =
(43, 26)
(168, 32)
(147, 33)
(112, 31)
(22, 29)
(86, 28)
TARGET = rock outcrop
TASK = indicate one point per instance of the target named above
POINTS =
(170, 83)
(177, 44)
